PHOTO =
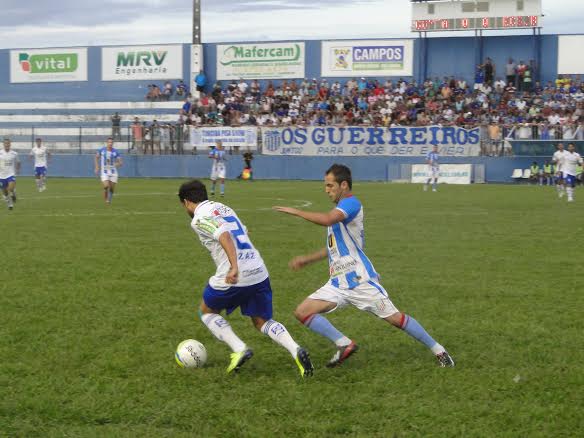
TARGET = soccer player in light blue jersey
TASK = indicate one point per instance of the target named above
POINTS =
(219, 168)
(108, 159)
(241, 279)
(433, 168)
(353, 279)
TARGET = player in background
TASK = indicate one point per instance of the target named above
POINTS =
(218, 169)
(558, 159)
(9, 168)
(433, 168)
(41, 157)
(353, 279)
(241, 279)
(108, 159)
(571, 161)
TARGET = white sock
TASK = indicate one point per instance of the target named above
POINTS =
(437, 348)
(278, 333)
(221, 328)
(570, 191)
(342, 342)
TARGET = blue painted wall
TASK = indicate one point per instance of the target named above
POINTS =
(445, 56)
(272, 167)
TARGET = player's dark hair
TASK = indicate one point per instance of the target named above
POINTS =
(193, 190)
(341, 173)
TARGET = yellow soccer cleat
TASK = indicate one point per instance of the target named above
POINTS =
(304, 363)
(238, 359)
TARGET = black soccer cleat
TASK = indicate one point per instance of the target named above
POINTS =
(304, 363)
(445, 360)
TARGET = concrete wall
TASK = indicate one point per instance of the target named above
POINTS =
(497, 170)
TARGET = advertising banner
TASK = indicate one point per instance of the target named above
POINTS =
(141, 63)
(370, 141)
(260, 61)
(243, 137)
(367, 58)
(449, 173)
(48, 65)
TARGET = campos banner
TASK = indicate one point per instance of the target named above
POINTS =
(244, 137)
(260, 61)
(48, 65)
(141, 63)
(367, 58)
(449, 173)
(364, 141)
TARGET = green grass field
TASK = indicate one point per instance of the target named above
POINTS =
(94, 300)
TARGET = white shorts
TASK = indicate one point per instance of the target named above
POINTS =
(112, 178)
(218, 172)
(433, 172)
(370, 297)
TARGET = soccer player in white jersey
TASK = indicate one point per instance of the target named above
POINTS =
(433, 168)
(558, 159)
(41, 156)
(108, 159)
(353, 279)
(218, 170)
(571, 161)
(9, 168)
(241, 279)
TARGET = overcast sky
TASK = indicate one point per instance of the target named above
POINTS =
(43, 23)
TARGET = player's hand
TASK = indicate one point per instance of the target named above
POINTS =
(287, 210)
(231, 277)
(96, 171)
(298, 263)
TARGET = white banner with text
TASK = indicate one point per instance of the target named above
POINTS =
(142, 63)
(242, 137)
(284, 60)
(48, 65)
(367, 58)
(448, 174)
(371, 141)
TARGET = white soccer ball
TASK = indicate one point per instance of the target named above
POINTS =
(190, 354)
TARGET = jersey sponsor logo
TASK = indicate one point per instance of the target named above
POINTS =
(208, 224)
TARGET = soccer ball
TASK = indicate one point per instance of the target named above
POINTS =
(190, 354)
(246, 174)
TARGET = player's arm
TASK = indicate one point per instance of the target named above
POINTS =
(17, 165)
(299, 262)
(229, 248)
(119, 162)
(325, 219)
(96, 162)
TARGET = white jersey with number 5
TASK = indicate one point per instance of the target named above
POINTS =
(211, 219)
(559, 158)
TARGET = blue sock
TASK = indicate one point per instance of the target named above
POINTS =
(435, 185)
(222, 189)
(319, 324)
(415, 330)
(110, 195)
(213, 187)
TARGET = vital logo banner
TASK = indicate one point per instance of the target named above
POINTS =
(141, 63)
(367, 58)
(48, 65)
(261, 61)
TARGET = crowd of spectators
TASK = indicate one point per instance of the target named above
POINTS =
(167, 92)
(512, 105)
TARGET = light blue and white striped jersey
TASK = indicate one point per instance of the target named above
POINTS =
(107, 160)
(433, 157)
(218, 156)
(348, 264)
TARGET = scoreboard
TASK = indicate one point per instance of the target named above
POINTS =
(447, 15)
(470, 23)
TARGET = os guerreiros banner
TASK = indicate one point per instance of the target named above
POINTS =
(284, 60)
(371, 141)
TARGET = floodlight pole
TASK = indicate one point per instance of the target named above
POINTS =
(196, 21)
